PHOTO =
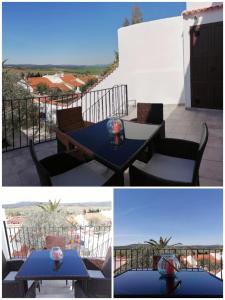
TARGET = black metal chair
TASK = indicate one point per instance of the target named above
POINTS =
(174, 162)
(64, 169)
(99, 283)
(12, 288)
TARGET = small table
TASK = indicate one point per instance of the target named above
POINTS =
(39, 266)
(97, 141)
(147, 283)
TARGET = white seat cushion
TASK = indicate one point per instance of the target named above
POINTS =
(95, 274)
(91, 173)
(11, 276)
(168, 167)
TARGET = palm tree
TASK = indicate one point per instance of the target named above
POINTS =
(161, 244)
(51, 207)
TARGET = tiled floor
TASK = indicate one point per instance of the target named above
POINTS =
(18, 168)
(55, 289)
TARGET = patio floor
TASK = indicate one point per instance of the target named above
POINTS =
(18, 168)
(55, 289)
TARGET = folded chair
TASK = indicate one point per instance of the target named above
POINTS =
(175, 162)
(65, 170)
(12, 288)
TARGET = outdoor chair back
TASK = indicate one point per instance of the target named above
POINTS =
(107, 265)
(150, 113)
(70, 119)
(12, 288)
(54, 241)
(175, 162)
(201, 148)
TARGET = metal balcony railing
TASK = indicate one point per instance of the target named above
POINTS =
(210, 260)
(35, 117)
(89, 241)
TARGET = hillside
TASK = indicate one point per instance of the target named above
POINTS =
(52, 69)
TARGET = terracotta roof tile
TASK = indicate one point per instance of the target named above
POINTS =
(34, 81)
(70, 79)
(200, 10)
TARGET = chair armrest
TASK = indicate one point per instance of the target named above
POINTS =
(177, 148)
(62, 137)
(90, 265)
(15, 265)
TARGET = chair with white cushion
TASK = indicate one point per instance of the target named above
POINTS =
(99, 283)
(64, 169)
(175, 162)
(12, 288)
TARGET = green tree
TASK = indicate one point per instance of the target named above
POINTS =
(116, 57)
(137, 16)
(51, 208)
(43, 220)
(161, 244)
(55, 93)
(126, 22)
(88, 84)
(18, 110)
(42, 88)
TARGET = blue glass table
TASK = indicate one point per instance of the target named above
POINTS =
(97, 141)
(39, 266)
(148, 283)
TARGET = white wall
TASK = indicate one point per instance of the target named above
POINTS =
(215, 15)
(151, 61)
(4, 242)
(155, 57)
(114, 78)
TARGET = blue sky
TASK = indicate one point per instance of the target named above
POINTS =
(190, 216)
(70, 33)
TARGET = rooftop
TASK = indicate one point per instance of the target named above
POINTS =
(201, 10)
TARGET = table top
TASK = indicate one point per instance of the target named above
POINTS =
(40, 266)
(187, 283)
(97, 140)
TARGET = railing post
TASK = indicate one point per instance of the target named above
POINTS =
(126, 95)
(7, 239)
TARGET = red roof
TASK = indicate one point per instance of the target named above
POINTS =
(15, 220)
(71, 80)
(34, 81)
(200, 10)
(86, 78)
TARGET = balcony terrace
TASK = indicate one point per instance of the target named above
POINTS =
(92, 244)
(18, 168)
(196, 266)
